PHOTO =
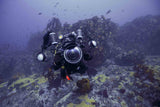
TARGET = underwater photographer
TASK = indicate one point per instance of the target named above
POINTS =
(69, 52)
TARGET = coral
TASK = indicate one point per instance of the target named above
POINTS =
(83, 85)
(144, 71)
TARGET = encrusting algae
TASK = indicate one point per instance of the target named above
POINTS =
(27, 81)
(102, 78)
(86, 102)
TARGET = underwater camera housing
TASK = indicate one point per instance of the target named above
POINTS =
(73, 55)
(71, 45)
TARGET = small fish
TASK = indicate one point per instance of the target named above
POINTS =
(108, 11)
(56, 4)
(39, 13)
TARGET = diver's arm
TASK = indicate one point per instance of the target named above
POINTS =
(48, 40)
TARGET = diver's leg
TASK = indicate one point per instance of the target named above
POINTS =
(63, 73)
(83, 68)
(55, 67)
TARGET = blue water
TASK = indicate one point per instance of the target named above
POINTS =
(19, 19)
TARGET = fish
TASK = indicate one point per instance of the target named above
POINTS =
(108, 11)
(39, 13)
(56, 4)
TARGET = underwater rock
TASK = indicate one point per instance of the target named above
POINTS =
(122, 91)
(142, 34)
(41, 92)
(54, 83)
(35, 41)
(110, 84)
(129, 58)
(113, 85)
(54, 25)
(103, 93)
(156, 103)
(154, 43)
(144, 72)
(101, 30)
(91, 71)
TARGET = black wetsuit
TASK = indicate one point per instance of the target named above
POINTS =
(67, 68)
(46, 41)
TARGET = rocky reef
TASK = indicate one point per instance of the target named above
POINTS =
(125, 71)
(114, 85)
(141, 34)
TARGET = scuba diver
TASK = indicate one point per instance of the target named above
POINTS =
(69, 52)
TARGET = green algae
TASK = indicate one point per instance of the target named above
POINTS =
(121, 85)
(139, 98)
(24, 82)
(131, 74)
(86, 102)
(102, 78)
(130, 83)
(41, 80)
(123, 104)
(63, 99)
(3, 84)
